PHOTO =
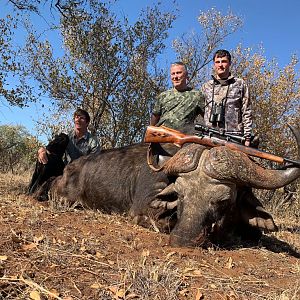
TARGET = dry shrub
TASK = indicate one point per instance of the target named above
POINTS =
(152, 280)
(284, 202)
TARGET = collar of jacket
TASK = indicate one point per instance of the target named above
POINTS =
(85, 136)
(223, 82)
(184, 90)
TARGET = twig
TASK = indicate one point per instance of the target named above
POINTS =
(75, 286)
(79, 256)
(31, 284)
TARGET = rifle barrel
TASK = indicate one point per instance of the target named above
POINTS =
(294, 162)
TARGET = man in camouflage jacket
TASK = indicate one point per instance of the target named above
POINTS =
(227, 99)
(180, 105)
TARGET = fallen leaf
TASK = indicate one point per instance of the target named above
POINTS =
(96, 286)
(38, 239)
(82, 248)
(28, 246)
(230, 263)
(113, 289)
(184, 292)
(53, 294)
(53, 266)
(155, 277)
(197, 272)
(131, 296)
(145, 253)
(199, 295)
(171, 254)
(99, 255)
(188, 270)
(192, 272)
(35, 295)
(3, 257)
(120, 293)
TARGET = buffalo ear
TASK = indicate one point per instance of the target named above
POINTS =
(253, 212)
(185, 160)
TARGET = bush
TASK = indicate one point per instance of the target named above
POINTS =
(17, 149)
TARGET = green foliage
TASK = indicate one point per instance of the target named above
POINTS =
(275, 97)
(109, 68)
(6, 63)
(275, 91)
(11, 67)
(17, 149)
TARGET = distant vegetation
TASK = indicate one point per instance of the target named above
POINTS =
(17, 149)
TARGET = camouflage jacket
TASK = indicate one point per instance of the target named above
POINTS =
(177, 108)
(234, 95)
(79, 147)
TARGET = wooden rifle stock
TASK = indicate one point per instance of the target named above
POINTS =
(164, 134)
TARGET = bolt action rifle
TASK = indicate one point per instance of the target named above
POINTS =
(163, 134)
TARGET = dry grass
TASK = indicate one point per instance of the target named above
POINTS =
(54, 252)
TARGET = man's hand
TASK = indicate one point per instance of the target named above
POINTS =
(42, 156)
(247, 143)
(154, 119)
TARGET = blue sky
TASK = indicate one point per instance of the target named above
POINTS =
(274, 24)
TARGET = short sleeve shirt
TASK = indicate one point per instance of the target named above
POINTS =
(177, 108)
(79, 147)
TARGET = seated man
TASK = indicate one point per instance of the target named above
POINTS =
(63, 150)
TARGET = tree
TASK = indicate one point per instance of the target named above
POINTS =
(196, 48)
(17, 149)
(275, 97)
(35, 5)
(19, 94)
(109, 68)
(30, 5)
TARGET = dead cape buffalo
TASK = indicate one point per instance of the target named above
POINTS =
(200, 195)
